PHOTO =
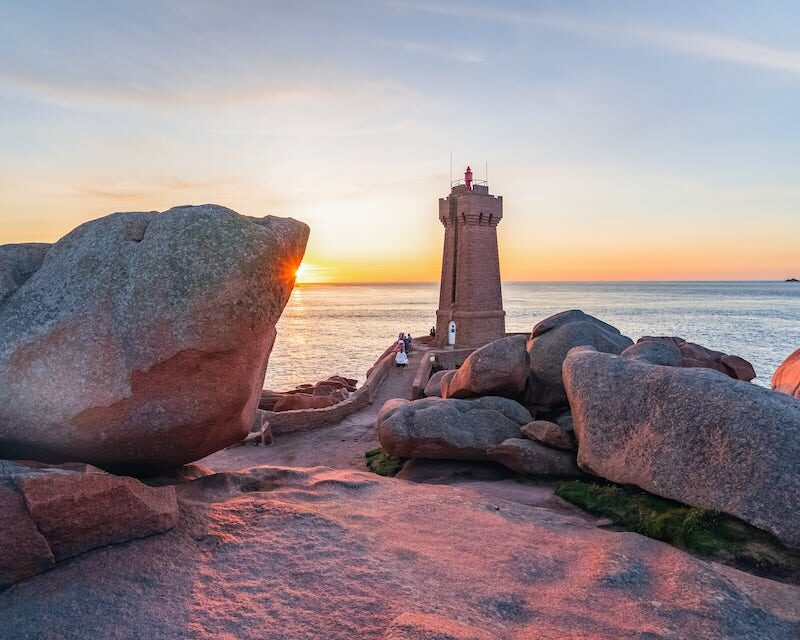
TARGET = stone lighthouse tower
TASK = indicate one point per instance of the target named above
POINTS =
(470, 301)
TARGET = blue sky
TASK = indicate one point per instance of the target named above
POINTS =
(629, 139)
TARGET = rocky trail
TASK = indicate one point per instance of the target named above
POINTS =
(340, 446)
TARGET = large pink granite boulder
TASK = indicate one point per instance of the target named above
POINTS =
(682, 353)
(690, 434)
(142, 341)
(450, 429)
(787, 377)
(496, 369)
(550, 341)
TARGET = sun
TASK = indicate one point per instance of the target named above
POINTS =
(303, 273)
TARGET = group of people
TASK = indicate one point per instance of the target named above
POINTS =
(402, 349)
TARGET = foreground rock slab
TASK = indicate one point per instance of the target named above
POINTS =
(141, 341)
(450, 429)
(290, 553)
(693, 435)
(49, 514)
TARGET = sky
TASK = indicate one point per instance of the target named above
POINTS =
(634, 140)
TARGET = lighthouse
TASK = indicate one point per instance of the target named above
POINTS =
(470, 310)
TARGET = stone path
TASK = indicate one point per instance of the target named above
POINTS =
(341, 446)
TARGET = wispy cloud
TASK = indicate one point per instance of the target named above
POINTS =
(135, 190)
(727, 49)
(703, 44)
(439, 51)
(80, 92)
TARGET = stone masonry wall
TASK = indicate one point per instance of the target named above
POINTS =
(470, 291)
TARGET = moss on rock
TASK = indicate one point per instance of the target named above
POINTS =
(382, 463)
(710, 534)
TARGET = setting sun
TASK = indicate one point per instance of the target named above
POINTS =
(309, 273)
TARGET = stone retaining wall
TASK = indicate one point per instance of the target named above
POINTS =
(307, 419)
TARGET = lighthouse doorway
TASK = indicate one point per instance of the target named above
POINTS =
(451, 333)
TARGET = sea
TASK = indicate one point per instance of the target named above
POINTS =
(330, 329)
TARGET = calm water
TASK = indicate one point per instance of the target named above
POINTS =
(341, 329)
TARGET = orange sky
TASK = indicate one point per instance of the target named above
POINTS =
(367, 236)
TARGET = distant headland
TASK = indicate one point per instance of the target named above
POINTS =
(791, 280)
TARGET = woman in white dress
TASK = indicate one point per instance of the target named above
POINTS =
(400, 358)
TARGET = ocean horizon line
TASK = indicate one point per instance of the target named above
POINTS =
(436, 282)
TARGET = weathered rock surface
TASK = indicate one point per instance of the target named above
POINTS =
(694, 435)
(549, 433)
(787, 376)
(297, 401)
(18, 262)
(691, 355)
(23, 550)
(76, 512)
(551, 340)
(451, 428)
(142, 341)
(529, 457)
(496, 369)
(433, 389)
(452, 471)
(255, 550)
(49, 514)
(661, 352)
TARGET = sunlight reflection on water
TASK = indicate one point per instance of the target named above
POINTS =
(342, 329)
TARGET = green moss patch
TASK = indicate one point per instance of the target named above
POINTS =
(380, 462)
(709, 534)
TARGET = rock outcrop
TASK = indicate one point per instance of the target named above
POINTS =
(18, 262)
(309, 396)
(550, 341)
(451, 429)
(394, 560)
(551, 434)
(433, 389)
(142, 340)
(661, 350)
(787, 376)
(496, 369)
(526, 456)
(50, 514)
(694, 435)
(297, 401)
